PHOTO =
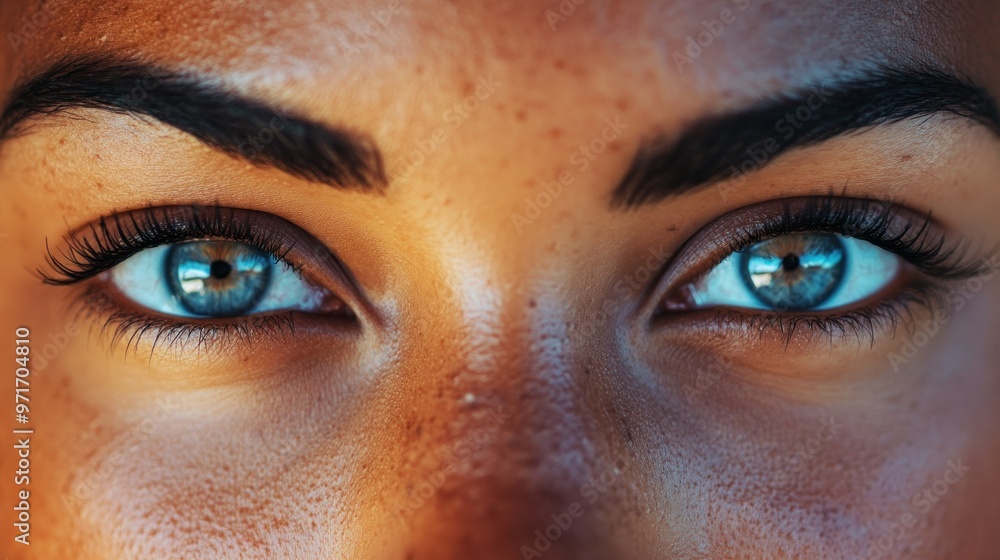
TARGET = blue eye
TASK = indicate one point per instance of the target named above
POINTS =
(214, 279)
(797, 272)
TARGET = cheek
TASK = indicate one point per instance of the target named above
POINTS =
(244, 483)
(835, 464)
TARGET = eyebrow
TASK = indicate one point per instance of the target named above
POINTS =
(242, 127)
(730, 146)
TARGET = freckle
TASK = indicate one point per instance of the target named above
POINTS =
(521, 116)
(469, 88)
(419, 69)
(622, 104)
(906, 157)
(672, 228)
(560, 64)
(555, 132)
(531, 303)
(447, 201)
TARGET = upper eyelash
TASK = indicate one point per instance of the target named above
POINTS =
(870, 220)
(115, 238)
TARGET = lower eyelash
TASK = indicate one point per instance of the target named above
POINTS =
(118, 325)
(866, 323)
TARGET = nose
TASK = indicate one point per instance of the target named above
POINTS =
(502, 456)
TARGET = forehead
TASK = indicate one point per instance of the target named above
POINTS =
(746, 44)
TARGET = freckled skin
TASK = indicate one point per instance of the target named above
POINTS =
(507, 376)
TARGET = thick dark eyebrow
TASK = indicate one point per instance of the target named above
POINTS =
(241, 127)
(729, 146)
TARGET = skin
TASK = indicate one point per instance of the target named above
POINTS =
(470, 374)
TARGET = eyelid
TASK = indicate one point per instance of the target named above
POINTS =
(92, 249)
(897, 229)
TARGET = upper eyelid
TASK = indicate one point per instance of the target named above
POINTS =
(305, 252)
(98, 246)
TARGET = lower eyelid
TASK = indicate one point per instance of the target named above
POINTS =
(864, 325)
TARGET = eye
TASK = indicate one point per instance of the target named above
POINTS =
(797, 272)
(214, 279)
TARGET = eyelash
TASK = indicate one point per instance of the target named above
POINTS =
(115, 238)
(118, 324)
(872, 221)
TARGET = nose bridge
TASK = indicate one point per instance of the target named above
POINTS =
(511, 442)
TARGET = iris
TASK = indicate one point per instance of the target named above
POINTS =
(794, 272)
(217, 278)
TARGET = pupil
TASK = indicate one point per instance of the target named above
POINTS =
(790, 263)
(221, 269)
